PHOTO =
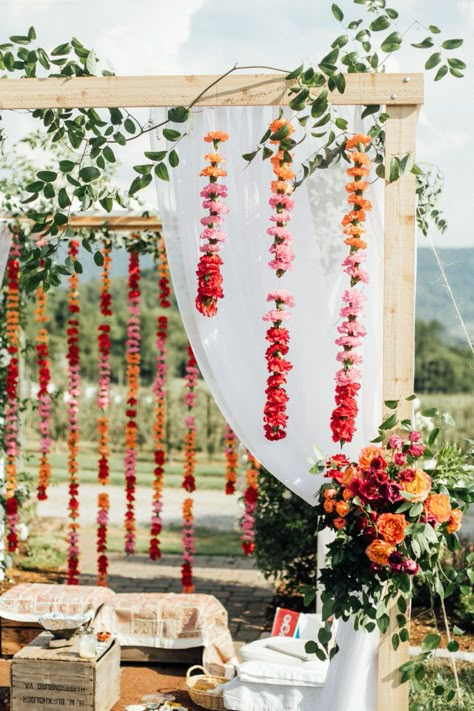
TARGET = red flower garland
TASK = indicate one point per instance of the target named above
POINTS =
(209, 276)
(352, 331)
(103, 424)
(250, 500)
(189, 482)
(274, 414)
(74, 389)
(12, 405)
(44, 398)
(159, 390)
(231, 444)
(133, 384)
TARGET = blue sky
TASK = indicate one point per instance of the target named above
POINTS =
(210, 36)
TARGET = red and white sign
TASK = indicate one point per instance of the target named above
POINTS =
(285, 622)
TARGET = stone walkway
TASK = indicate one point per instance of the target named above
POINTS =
(235, 582)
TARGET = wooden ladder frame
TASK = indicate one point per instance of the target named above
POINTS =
(402, 95)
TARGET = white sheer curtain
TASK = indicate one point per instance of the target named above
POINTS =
(230, 347)
(5, 242)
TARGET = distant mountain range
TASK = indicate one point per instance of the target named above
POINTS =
(433, 302)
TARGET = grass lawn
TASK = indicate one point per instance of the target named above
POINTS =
(434, 691)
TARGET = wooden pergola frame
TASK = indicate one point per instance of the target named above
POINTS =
(402, 94)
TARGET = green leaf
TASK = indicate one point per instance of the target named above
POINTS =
(425, 44)
(340, 82)
(32, 33)
(430, 412)
(143, 169)
(392, 42)
(61, 49)
(140, 182)
(434, 30)
(416, 510)
(432, 436)
(179, 114)
(442, 71)
(456, 73)
(20, 39)
(120, 138)
(383, 622)
(91, 62)
(404, 635)
(391, 404)
(393, 14)
(320, 104)
(402, 603)
(116, 116)
(337, 12)
(155, 155)
(35, 187)
(453, 646)
(129, 125)
(381, 23)
(452, 43)
(108, 154)
(295, 73)
(394, 170)
(430, 642)
(48, 191)
(47, 176)
(65, 166)
(171, 135)
(341, 123)
(173, 159)
(267, 153)
(161, 171)
(98, 258)
(372, 109)
(78, 267)
(107, 203)
(389, 422)
(395, 641)
(330, 58)
(299, 101)
(43, 58)
(89, 174)
(63, 198)
(458, 631)
(433, 60)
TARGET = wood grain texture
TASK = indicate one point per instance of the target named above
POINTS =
(234, 90)
(398, 343)
(168, 656)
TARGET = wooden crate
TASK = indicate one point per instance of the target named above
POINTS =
(15, 635)
(42, 677)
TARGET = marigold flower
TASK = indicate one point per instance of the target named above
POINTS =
(213, 172)
(379, 551)
(212, 136)
(214, 158)
(357, 139)
(438, 506)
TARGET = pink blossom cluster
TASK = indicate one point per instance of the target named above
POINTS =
(352, 332)
(281, 249)
(401, 452)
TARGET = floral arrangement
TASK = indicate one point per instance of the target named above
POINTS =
(231, 444)
(103, 423)
(12, 317)
(208, 272)
(44, 398)
(247, 522)
(74, 391)
(189, 481)
(159, 391)
(274, 413)
(395, 511)
(133, 385)
(187, 584)
(351, 330)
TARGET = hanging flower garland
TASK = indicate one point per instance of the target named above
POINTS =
(232, 459)
(159, 391)
(189, 482)
(133, 383)
(351, 330)
(208, 272)
(274, 413)
(12, 308)
(103, 424)
(250, 500)
(74, 390)
(44, 398)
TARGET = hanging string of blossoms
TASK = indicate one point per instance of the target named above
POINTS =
(231, 459)
(189, 482)
(74, 390)
(247, 522)
(103, 423)
(44, 398)
(274, 415)
(351, 330)
(12, 308)
(209, 275)
(133, 384)
(159, 391)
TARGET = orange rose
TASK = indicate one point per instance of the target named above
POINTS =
(378, 551)
(329, 493)
(339, 523)
(454, 523)
(328, 506)
(346, 494)
(342, 508)
(368, 454)
(439, 507)
(392, 527)
(419, 487)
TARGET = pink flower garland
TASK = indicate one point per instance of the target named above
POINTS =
(231, 457)
(189, 481)
(274, 414)
(247, 522)
(133, 383)
(44, 398)
(208, 272)
(12, 405)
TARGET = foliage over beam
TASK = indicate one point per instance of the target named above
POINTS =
(111, 223)
(232, 90)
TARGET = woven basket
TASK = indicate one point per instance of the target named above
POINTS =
(202, 697)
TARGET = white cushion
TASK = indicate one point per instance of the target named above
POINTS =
(281, 675)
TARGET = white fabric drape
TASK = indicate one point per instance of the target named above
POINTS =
(230, 347)
(5, 242)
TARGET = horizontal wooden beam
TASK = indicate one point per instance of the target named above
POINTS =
(114, 223)
(233, 90)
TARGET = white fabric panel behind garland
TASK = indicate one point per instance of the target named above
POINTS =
(230, 347)
(5, 242)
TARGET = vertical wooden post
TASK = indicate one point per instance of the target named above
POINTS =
(398, 342)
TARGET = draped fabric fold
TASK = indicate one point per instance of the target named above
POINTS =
(5, 242)
(230, 347)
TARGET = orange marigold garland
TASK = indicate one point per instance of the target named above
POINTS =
(189, 482)
(274, 414)
(44, 398)
(103, 424)
(159, 391)
(351, 330)
(12, 405)
(74, 389)
(250, 501)
(231, 459)
(133, 384)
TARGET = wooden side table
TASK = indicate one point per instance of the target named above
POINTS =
(59, 678)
